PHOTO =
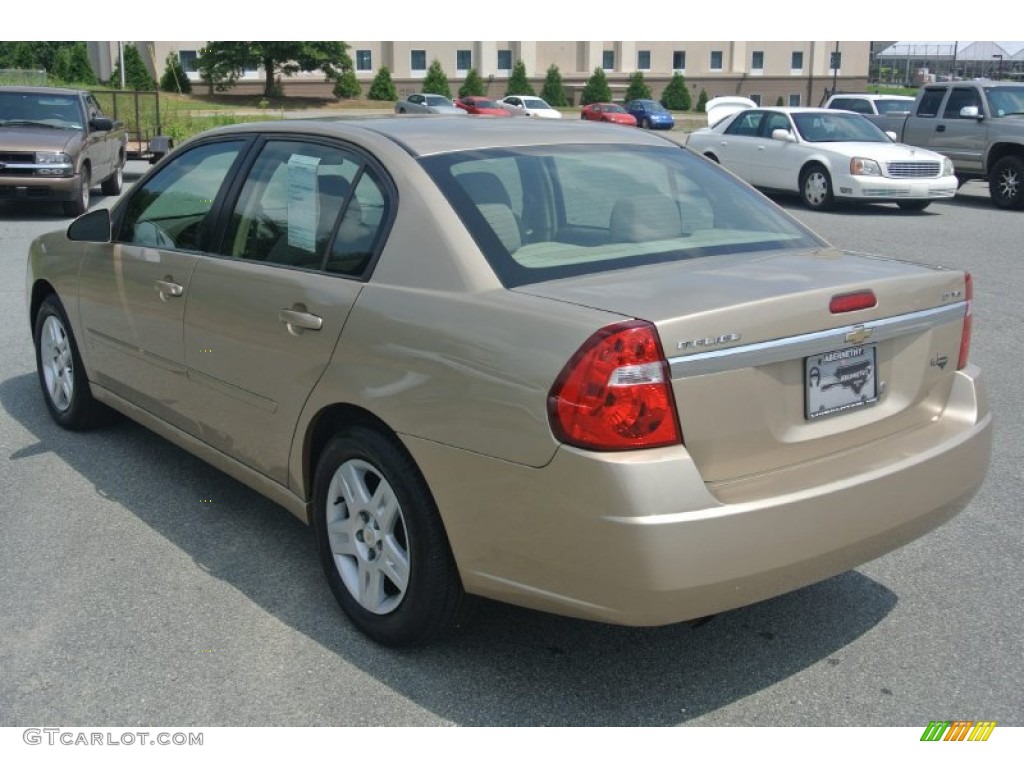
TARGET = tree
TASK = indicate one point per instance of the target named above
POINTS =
(225, 61)
(383, 88)
(347, 86)
(553, 92)
(136, 76)
(702, 101)
(174, 79)
(676, 95)
(436, 81)
(637, 89)
(596, 88)
(71, 65)
(473, 85)
(779, 102)
(518, 83)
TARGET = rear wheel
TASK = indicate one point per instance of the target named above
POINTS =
(816, 188)
(1006, 182)
(913, 205)
(61, 373)
(80, 204)
(381, 541)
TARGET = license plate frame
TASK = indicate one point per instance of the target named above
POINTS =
(840, 381)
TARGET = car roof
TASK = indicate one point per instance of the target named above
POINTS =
(41, 90)
(423, 135)
(871, 96)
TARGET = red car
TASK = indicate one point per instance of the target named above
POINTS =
(475, 105)
(607, 113)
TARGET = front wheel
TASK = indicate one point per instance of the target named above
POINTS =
(381, 541)
(816, 188)
(1006, 183)
(114, 184)
(80, 204)
(645, 123)
(61, 373)
(913, 205)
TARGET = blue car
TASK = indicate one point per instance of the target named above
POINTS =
(650, 114)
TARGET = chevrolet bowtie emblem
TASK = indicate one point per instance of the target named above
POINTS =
(858, 335)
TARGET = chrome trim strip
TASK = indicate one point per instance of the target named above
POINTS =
(793, 347)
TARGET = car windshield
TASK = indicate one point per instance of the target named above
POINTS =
(1006, 99)
(543, 213)
(888, 106)
(827, 126)
(437, 101)
(40, 109)
(651, 106)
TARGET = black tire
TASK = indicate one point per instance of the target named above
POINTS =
(61, 373)
(114, 184)
(645, 123)
(816, 188)
(389, 565)
(80, 204)
(1006, 183)
(913, 205)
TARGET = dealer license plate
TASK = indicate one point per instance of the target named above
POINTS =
(839, 381)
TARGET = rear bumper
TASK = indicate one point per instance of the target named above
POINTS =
(39, 188)
(639, 539)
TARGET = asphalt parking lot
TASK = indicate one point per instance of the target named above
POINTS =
(140, 586)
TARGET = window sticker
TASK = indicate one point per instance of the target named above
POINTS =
(303, 204)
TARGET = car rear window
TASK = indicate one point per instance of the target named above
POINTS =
(542, 213)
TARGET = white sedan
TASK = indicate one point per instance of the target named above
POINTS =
(824, 155)
(531, 106)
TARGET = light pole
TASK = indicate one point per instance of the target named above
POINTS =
(999, 72)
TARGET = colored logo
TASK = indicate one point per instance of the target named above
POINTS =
(958, 730)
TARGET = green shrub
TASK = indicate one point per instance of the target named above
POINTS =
(174, 79)
(518, 83)
(436, 81)
(473, 85)
(383, 87)
(676, 95)
(637, 88)
(553, 92)
(137, 77)
(596, 88)
(702, 101)
(71, 65)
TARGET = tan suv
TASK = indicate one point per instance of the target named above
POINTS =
(572, 367)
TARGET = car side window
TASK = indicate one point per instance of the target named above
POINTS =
(958, 99)
(289, 207)
(747, 124)
(930, 103)
(171, 209)
(773, 121)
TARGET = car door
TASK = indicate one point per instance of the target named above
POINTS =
(775, 163)
(102, 150)
(962, 139)
(736, 147)
(265, 313)
(133, 291)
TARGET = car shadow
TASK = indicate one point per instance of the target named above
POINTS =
(509, 666)
(792, 203)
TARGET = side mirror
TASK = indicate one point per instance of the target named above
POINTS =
(101, 124)
(970, 112)
(91, 227)
(781, 134)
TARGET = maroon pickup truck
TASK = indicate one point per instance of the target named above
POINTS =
(55, 144)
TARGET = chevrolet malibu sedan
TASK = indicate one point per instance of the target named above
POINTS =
(825, 156)
(578, 370)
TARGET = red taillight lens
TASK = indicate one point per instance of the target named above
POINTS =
(851, 302)
(965, 336)
(615, 393)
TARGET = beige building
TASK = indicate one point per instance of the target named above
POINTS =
(798, 72)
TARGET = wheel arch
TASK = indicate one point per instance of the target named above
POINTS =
(40, 290)
(1000, 150)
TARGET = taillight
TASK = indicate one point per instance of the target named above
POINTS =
(965, 336)
(615, 393)
(851, 302)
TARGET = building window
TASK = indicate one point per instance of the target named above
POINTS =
(643, 59)
(756, 98)
(188, 60)
(463, 60)
(418, 60)
(835, 60)
(364, 61)
(608, 60)
(716, 61)
(505, 59)
(797, 62)
(794, 99)
(679, 60)
(757, 61)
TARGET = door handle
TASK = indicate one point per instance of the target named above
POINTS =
(940, 128)
(167, 288)
(298, 320)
